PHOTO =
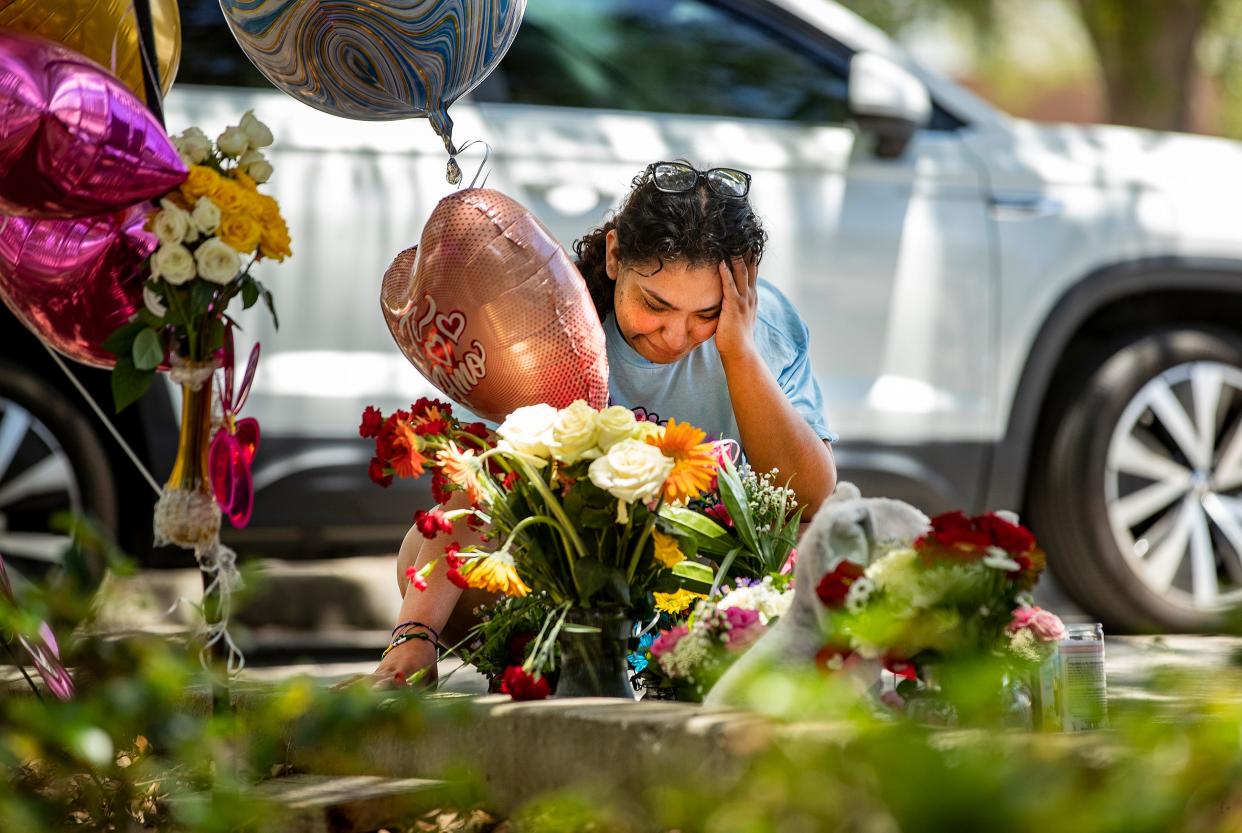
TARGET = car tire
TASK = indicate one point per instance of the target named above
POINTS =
(51, 460)
(1107, 457)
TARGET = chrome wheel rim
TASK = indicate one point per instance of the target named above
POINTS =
(1172, 481)
(36, 482)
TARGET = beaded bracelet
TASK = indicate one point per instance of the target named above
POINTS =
(416, 624)
(406, 637)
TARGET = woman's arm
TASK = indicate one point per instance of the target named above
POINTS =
(431, 607)
(774, 434)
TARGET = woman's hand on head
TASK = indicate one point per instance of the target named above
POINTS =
(739, 307)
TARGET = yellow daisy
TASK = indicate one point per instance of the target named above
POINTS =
(497, 573)
(666, 550)
(675, 603)
(694, 463)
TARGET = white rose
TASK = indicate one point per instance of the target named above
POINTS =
(256, 166)
(233, 141)
(528, 430)
(206, 215)
(174, 263)
(194, 144)
(256, 131)
(574, 432)
(151, 300)
(616, 423)
(172, 225)
(632, 470)
(644, 429)
(218, 262)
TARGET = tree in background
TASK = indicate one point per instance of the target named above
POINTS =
(1151, 55)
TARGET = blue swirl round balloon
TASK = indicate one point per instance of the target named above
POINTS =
(376, 60)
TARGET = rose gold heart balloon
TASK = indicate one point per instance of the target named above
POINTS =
(491, 309)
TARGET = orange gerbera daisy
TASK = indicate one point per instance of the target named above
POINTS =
(462, 468)
(694, 463)
(497, 573)
(406, 460)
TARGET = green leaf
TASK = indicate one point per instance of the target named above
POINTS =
(250, 293)
(201, 295)
(592, 518)
(723, 573)
(149, 318)
(693, 570)
(271, 307)
(592, 576)
(129, 383)
(734, 496)
(693, 521)
(121, 342)
(147, 351)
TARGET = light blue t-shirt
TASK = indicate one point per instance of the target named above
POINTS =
(694, 389)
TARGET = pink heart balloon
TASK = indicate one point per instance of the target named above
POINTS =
(73, 282)
(229, 460)
(491, 309)
(74, 141)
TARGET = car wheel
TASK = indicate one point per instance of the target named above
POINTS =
(1137, 493)
(51, 461)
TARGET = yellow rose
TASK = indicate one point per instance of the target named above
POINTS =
(245, 181)
(269, 209)
(241, 231)
(200, 183)
(230, 197)
(274, 241)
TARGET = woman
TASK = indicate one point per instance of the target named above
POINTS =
(692, 334)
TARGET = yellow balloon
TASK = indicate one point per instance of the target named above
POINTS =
(106, 31)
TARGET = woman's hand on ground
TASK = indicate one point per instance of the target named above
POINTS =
(403, 664)
(739, 307)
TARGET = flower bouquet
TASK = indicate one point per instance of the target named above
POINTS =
(571, 502)
(684, 661)
(212, 230)
(956, 595)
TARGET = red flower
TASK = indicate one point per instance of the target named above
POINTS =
(432, 523)
(455, 562)
(477, 429)
(510, 479)
(440, 491)
(522, 686)
(953, 530)
(517, 646)
(404, 457)
(376, 472)
(398, 677)
(372, 422)
(412, 575)
(835, 585)
(720, 514)
(432, 426)
(425, 404)
(901, 667)
(1010, 537)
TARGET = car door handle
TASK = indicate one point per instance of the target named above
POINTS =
(1024, 206)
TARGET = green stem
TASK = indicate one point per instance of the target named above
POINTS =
(642, 542)
(554, 506)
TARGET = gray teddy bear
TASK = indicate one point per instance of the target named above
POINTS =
(847, 526)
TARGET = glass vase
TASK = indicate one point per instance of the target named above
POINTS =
(186, 514)
(594, 645)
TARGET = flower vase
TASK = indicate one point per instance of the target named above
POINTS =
(187, 514)
(594, 646)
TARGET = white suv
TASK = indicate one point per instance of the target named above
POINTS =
(1003, 314)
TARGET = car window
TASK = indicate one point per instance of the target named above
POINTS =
(669, 56)
(211, 55)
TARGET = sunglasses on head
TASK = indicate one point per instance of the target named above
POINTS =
(679, 177)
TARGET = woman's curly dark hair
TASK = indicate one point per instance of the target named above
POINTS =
(697, 227)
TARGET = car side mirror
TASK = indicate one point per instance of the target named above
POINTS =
(887, 101)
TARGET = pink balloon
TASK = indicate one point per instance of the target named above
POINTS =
(73, 282)
(491, 309)
(74, 141)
